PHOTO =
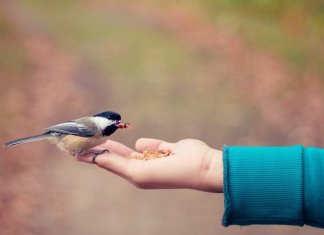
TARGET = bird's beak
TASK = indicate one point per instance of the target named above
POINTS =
(123, 125)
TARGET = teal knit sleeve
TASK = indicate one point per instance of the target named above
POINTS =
(273, 185)
(314, 186)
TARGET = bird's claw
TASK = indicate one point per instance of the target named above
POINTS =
(96, 153)
(99, 152)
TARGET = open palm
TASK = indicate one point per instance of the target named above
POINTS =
(193, 164)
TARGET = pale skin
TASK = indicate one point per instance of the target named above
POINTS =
(192, 165)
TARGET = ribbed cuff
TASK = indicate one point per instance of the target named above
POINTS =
(263, 185)
(314, 186)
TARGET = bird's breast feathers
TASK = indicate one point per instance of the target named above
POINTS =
(72, 143)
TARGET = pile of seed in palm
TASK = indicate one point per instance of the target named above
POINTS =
(149, 154)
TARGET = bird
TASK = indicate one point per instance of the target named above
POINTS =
(77, 136)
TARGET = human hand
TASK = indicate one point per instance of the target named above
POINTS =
(193, 164)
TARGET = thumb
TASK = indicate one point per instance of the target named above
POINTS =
(154, 144)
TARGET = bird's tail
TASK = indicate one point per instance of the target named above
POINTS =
(27, 139)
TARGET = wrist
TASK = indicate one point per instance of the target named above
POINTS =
(213, 172)
(216, 171)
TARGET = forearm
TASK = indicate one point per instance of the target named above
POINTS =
(273, 185)
(314, 186)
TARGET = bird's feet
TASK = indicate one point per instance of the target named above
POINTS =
(96, 153)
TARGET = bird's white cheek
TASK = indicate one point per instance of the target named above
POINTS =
(102, 122)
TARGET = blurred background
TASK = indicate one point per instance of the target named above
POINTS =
(225, 72)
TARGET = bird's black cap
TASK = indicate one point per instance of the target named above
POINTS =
(109, 115)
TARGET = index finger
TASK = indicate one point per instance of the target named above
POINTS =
(119, 148)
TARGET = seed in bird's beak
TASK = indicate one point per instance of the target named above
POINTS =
(123, 125)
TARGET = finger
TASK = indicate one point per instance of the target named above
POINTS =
(113, 162)
(87, 158)
(155, 174)
(109, 161)
(154, 144)
(120, 149)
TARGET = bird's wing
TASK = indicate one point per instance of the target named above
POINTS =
(73, 128)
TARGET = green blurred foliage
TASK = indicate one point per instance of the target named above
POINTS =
(12, 56)
(293, 29)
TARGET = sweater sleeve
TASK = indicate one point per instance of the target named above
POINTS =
(273, 185)
(314, 187)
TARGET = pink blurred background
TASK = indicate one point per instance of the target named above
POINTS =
(224, 72)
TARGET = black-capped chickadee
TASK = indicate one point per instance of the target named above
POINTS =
(76, 136)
